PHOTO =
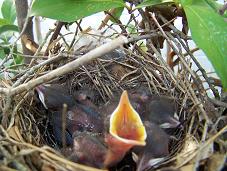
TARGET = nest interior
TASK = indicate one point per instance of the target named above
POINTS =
(27, 143)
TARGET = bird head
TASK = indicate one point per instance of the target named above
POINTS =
(53, 96)
(126, 130)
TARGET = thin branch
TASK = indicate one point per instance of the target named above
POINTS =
(34, 68)
(186, 66)
(69, 67)
(54, 36)
(203, 146)
(64, 112)
(183, 36)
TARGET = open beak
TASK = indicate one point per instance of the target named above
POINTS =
(125, 123)
(126, 130)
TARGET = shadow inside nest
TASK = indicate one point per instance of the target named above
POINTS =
(100, 84)
(171, 117)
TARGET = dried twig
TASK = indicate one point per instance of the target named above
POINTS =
(202, 146)
(36, 67)
(68, 163)
(70, 66)
(64, 113)
(54, 36)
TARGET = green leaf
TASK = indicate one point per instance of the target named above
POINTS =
(146, 3)
(216, 7)
(4, 39)
(9, 11)
(132, 29)
(6, 50)
(71, 10)
(213, 5)
(6, 28)
(117, 13)
(2, 53)
(18, 60)
(209, 31)
(4, 22)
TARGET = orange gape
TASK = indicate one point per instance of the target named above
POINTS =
(126, 130)
(125, 123)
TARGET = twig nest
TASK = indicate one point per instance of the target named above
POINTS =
(30, 134)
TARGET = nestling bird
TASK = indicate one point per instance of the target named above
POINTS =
(95, 145)
(126, 130)
(53, 96)
(156, 109)
(79, 116)
(156, 148)
(153, 108)
(92, 145)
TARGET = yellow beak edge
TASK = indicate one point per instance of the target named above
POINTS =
(126, 124)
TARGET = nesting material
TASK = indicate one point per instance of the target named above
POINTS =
(26, 142)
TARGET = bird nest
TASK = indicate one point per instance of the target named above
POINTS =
(27, 144)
